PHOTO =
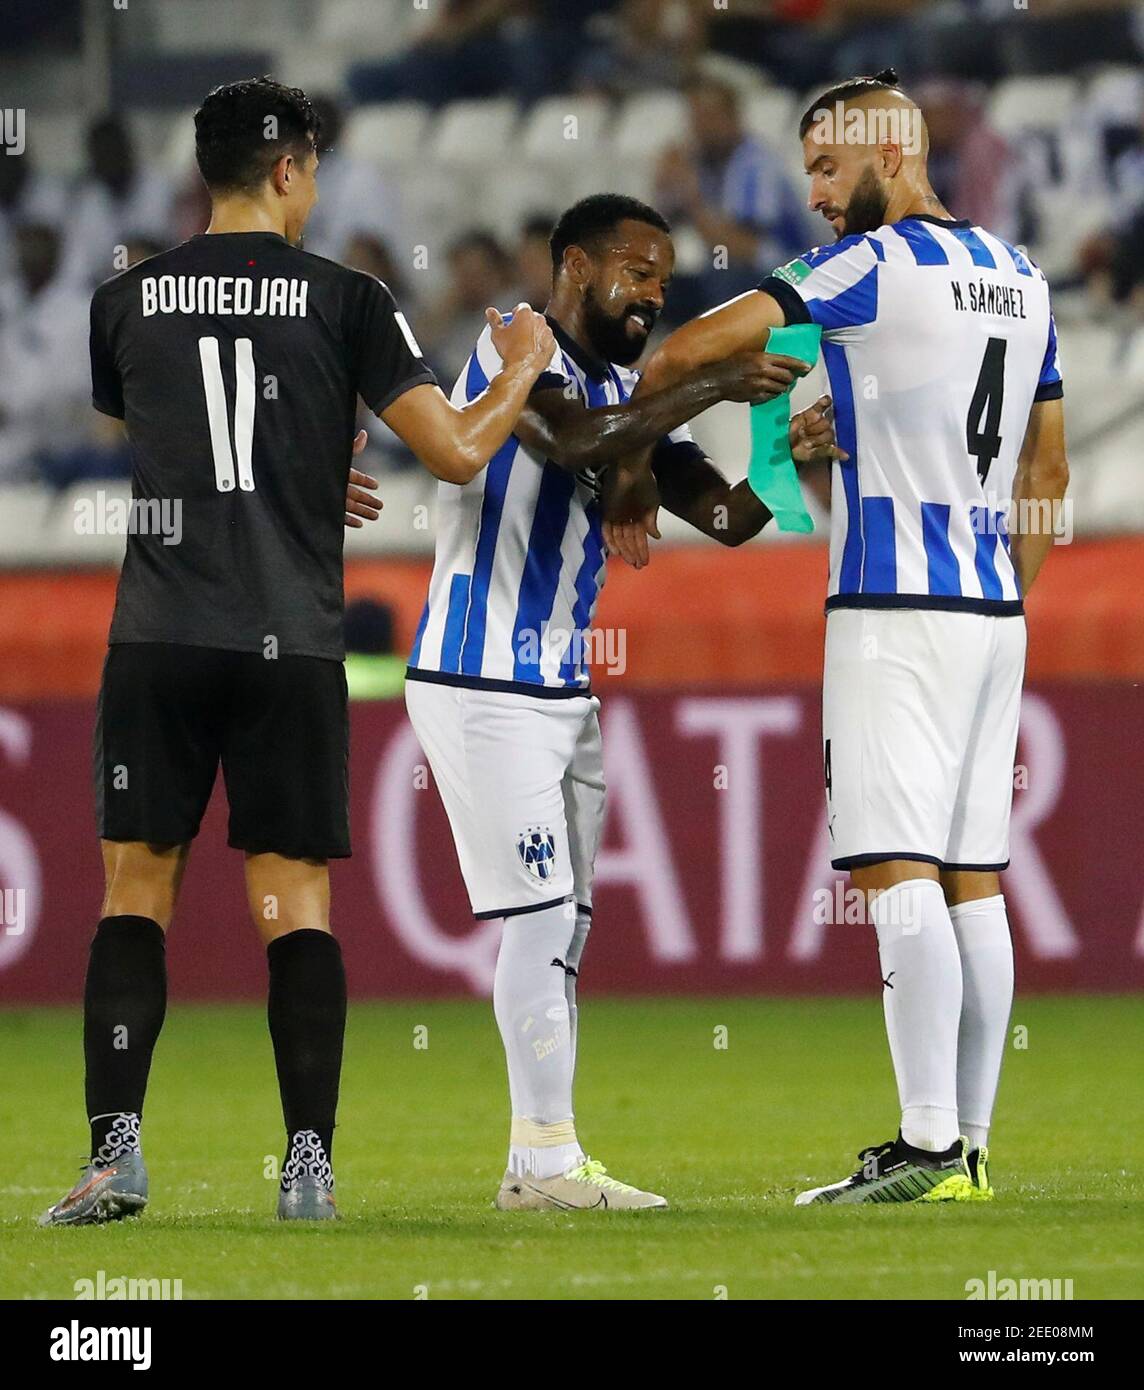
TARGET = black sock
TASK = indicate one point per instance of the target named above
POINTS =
(306, 1011)
(124, 1001)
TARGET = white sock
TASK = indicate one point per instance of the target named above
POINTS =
(921, 995)
(982, 932)
(532, 1014)
(571, 980)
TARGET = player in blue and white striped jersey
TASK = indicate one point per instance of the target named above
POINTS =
(498, 684)
(941, 352)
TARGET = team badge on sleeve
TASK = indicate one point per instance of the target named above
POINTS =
(794, 272)
(537, 850)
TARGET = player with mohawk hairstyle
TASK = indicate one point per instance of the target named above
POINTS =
(941, 351)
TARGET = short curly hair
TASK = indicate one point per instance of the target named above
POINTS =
(243, 128)
(585, 223)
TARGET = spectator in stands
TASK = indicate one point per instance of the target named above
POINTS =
(645, 43)
(119, 198)
(26, 195)
(973, 169)
(370, 254)
(794, 41)
(480, 274)
(736, 194)
(1113, 259)
(479, 48)
(354, 198)
(534, 260)
(45, 388)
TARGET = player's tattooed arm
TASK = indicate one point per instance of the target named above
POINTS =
(1038, 489)
(454, 443)
(560, 427)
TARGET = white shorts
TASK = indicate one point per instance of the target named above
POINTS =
(522, 779)
(919, 727)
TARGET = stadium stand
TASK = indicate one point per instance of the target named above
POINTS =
(491, 162)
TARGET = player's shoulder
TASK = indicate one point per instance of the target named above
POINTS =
(123, 281)
(1019, 255)
(847, 246)
(846, 255)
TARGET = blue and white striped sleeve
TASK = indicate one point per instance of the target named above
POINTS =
(486, 363)
(1050, 386)
(835, 286)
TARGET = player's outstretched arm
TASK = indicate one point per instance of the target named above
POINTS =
(1038, 489)
(454, 443)
(740, 325)
(559, 427)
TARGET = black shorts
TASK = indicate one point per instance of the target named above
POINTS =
(169, 714)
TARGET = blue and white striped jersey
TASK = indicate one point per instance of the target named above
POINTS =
(937, 338)
(520, 559)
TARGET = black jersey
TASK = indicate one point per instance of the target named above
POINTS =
(236, 361)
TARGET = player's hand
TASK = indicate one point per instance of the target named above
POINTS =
(812, 438)
(526, 338)
(361, 504)
(759, 376)
(629, 501)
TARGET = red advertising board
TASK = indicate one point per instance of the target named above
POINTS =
(713, 875)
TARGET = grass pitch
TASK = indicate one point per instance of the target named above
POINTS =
(728, 1134)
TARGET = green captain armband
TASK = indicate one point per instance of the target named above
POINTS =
(771, 473)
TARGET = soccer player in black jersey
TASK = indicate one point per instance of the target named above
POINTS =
(236, 361)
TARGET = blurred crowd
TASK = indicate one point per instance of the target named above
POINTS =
(723, 182)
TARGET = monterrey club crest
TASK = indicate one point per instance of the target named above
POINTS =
(537, 850)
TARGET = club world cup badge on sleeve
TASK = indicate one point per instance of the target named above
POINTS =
(537, 850)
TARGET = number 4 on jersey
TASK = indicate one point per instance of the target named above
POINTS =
(224, 459)
(981, 436)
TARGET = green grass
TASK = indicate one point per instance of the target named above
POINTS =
(729, 1135)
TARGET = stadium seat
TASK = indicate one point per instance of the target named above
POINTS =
(401, 529)
(387, 134)
(1112, 499)
(1021, 104)
(210, 26)
(1116, 95)
(62, 537)
(649, 122)
(314, 67)
(56, 141)
(564, 129)
(475, 132)
(364, 29)
(178, 156)
(508, 196)
(770, 114)
(24, 513)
